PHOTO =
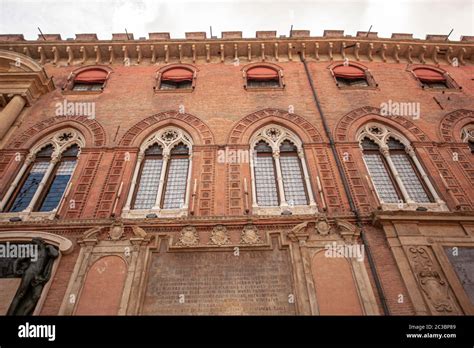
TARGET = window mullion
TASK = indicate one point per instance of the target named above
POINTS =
(52, 164)
(166, 158)
(386, 153)
(306, 178)
(276, 159)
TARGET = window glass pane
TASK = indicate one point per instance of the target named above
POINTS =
(30, 186)
(87, 86)
(176, 183)
(263, 84)
(265, 181)
(380, 177)
(409, 178)
(352, 82)
(149, 182)
(293, 183)
(176, 85)
(58, 185)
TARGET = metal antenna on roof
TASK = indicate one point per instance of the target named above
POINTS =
(41, 34)
(366, 35)
(126, 32)
(291, 31)
(449, 34)
(210, 27)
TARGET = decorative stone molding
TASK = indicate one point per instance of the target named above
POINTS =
(250, 235)
(166, 49)
(188, 237)
(219, 236)
(95, 138)
(322, 226)
(451, 120)
(243, 129)
(202, 131)
(345, 128)
(349, 232)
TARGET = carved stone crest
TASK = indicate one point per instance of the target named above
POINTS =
(219, 236)
(188, 237)
(116, 231)
(250, 235)
(322, 226)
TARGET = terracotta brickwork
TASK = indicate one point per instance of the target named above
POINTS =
(220, 114)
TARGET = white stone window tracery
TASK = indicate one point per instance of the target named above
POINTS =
(396, 174)
(467, 136)
(38, 190)
(280, 179)
(161, 180)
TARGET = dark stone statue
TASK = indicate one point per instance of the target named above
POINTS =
(34, 275)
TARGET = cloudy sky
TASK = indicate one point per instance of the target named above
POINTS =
(68, 17)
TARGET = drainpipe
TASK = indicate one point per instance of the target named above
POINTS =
(347, 190)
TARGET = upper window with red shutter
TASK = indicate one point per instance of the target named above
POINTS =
(430, 78)
(350, 76)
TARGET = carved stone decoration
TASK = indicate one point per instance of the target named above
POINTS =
(322, 226)
(349, 232)
(188, 237)
(34, 276)
(116, 231)
(431, 280)
(250, 235)
(219, 236)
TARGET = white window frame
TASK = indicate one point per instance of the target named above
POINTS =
(380, 137)
(274, 135)
(59, 147)
(166, 144)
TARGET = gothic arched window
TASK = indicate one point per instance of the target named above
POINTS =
(45, 175)
(161, 180)
(280, 178)
(395, 171)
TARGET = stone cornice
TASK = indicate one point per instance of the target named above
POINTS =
(159, 48)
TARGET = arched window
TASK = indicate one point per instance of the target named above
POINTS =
(176, 78)
(396, 173)
(44, 176)
(351, 76)
(87, 79)
(263, 77)
(90, 80)
(467, 136)
(430, 78)
(280, 177)
(161, 180)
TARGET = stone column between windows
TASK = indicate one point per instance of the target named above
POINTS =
(281, 190)
(252, 181)
(29, 159)
(10, 113)
(312, 202)
(54, 160)
(386, 153)
(133, 184)
(166, 158)
(411, 152)
(188, 181)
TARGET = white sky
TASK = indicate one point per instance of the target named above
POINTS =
(140, 17)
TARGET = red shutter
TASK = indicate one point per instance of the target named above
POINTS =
(177, 75)
(262, 74)
(428, 75)
(91, 76)
(348, 72)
